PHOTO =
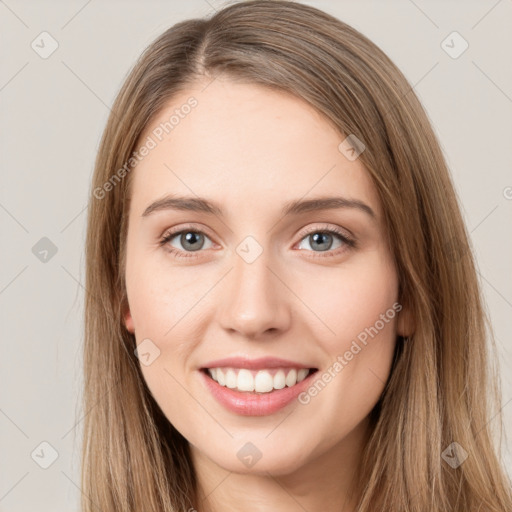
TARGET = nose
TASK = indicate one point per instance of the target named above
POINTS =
(255, 302)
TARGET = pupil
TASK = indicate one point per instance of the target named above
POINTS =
(320, 238)
(189, 238)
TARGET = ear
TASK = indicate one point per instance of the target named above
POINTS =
(405, 323)
(128, 319)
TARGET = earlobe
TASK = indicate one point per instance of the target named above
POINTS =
(405, 323)
(128, 319)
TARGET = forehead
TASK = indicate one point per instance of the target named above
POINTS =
(245, 145)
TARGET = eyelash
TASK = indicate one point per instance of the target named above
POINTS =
(348, 241)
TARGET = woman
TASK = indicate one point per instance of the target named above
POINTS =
(282, 309)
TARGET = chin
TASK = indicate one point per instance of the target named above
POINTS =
(257, 459)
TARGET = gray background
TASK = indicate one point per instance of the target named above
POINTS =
(53, 111)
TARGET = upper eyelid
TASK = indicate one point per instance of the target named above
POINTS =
(327, 227)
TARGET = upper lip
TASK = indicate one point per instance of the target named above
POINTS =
(254, 364)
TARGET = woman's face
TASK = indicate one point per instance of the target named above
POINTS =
(234, 265)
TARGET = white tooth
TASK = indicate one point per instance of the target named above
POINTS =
(230, 379)
(245, 381)
(301, 374)
(213, 373)
(279, 380)
(220, 377)
(263, 382)
(291, 378)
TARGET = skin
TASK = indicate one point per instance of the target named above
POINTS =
(251, 150)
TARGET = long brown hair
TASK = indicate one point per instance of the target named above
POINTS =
(442, 388)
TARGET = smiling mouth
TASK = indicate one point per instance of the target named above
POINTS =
(258, 381)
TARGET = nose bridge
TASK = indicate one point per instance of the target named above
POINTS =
(254, 301)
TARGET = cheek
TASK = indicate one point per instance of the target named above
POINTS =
(349, 301)
(358, 309)
(162, 308)
(159, 295)
(164, 304)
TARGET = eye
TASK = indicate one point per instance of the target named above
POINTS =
(322, 240)
(188, 240)
(193, 240)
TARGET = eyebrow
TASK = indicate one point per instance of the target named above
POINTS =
(198, 204)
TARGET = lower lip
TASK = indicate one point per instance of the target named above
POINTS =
(255, 404)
